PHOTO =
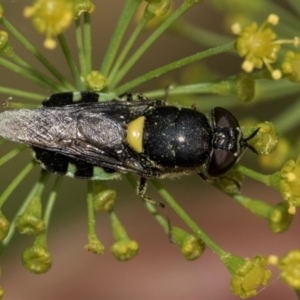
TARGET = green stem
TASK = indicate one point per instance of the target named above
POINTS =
(52, 84)
(287, 119)
(80, 48)
(126, 16)
(23, 72)
(21, 93)
(127, 47)
(87, 41)
(118, 230)
(70, 61)
(297, 291)
(34, 191)
(51, 200)
(172, 66)
(33, 51)
(145, 46)
(5, 158)
(295, 4)
(198, 35)
(253, 174)
(187, 219)
(90, 207)
(16, 181)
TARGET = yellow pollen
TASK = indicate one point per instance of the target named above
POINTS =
(273, 19)
(290, 176)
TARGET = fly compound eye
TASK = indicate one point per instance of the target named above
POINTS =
(221, 162)
(226, 145)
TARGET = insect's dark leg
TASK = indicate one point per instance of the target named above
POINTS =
(127, 95)
(141, 190)
(212, 180)
(204, 177)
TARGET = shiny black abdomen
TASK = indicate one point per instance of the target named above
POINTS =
(176, 137)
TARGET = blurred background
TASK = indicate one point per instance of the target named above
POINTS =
(159, 271)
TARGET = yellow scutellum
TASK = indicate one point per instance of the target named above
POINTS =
(82, 6)
(290, 183)
(259, 46)
(95, 81)
(50, 17)
(289, 265)
(279, 218)
(249, 276)
(290, 66)
(125, 249)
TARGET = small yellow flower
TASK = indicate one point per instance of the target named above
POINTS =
(50, 17)
(266, 139)
(37, 259)
(192, 247)
(94, 245)
(291, 66)
(259, 46)
(95, 81)
(290, 183)
(30, 221)
(82, 6)
(249, 276)
(279, 218)
(289, 265)
(125, 249)
(159, 7)
(276, 159)
(5, 47)
(104, 201)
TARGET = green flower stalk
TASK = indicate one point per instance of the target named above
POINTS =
(94, 244)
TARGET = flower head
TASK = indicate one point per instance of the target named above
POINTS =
(290, 66)
(125, 249)
(51, 18)
(37, 259)
(290, 182)
(249, 276)
(289, 265)
(259, 46)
